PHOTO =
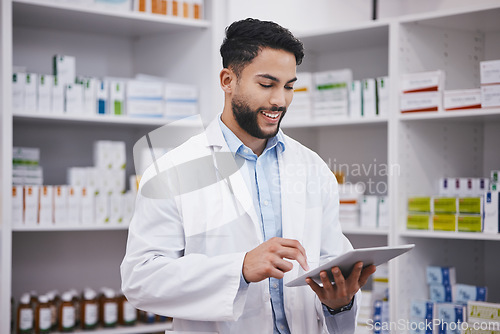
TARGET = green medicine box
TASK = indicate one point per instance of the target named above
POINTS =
(416, 221)
(470, 205)
(419, 204)
(447, 222)
(445, 205)
(470, 223)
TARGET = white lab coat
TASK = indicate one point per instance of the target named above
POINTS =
(185, 254)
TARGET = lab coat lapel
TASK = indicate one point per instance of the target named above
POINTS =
(293, 193)
(236, 182)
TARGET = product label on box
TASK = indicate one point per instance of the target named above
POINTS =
(444, 222)
(417, 222)
(470, 223)
(483, 311)
(472, 205)
(462, 99)
(422, 82)
(440, 293)
(490, 72)
(463, 293)
(419, 204)
(441, 275)
(419, 102)
(445, 205)
(490, 96)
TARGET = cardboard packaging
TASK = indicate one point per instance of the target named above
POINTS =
(461, 99)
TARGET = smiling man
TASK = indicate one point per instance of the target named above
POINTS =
(216, 258)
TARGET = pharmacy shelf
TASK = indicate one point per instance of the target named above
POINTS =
(449, 235)
(475, 18)
(68, 16)
(365, 231)
(486, 114)
(363, 35)
(142, 328)
(314, 123)
(100, 119)
(70, 227)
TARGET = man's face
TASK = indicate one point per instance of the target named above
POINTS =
(263, 92)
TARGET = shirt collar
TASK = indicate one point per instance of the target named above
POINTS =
(237, 146)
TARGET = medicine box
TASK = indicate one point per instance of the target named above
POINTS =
(470, 223)
(30, 93)
(180, 100)
(144, 98)
(31, 202)
(490, 96)
(419, 204)
(57, 96)
(115, 208)
(89, 86)
(117, 97)
(461, 99)
(46, 206)
(444, 222)
(74, 204)
(73, 98)
(369, 89)
(18, 85)
(418, 221)
(383, 220)
(29, 156)
(128, 206)
(444, 188)
(422, 82)
(420, 102)
(441, 275)
(300, 108)
(440, 293)
(17, 205)
(60, 205)
(422, 313)
(470, 205)
(101, 208)
(64, 67)
(491, 212)
(87, 206)
(44, 99)
(462, 293)
(331, 95)
(495, 176)
(355, 99)
(102, 95)
(114, 5)
(445, 205)
(450, 315)
(490, 72)
(478, 311)
(368, 211)
(383, 96)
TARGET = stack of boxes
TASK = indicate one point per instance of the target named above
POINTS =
(93, 196)
(446, 308)
(463, 204)
(421, 91)
(65, 93)
(374, 212)
(490, 83)
(191, 9)
(334, 94)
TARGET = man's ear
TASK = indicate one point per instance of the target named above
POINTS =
(227, 80)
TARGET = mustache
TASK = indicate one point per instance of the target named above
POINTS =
(282, 108)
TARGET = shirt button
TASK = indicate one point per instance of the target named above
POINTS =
(258, 163)
(275, 285)
(282, 327)
(266, 203)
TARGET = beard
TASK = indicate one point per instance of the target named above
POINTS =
(247, 118)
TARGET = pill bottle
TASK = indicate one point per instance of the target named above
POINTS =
(89, 309)
(24, 315)
(127, 313)
(54, 301)
(108, 308)
(67, 313)
(42, 315)
(76, 303)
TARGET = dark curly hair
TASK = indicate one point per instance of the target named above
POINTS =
(244, 39)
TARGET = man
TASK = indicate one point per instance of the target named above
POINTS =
(216, 257)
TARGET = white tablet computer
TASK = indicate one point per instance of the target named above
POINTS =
(346, 261)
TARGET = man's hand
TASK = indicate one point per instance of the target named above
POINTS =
(266, 260)
(341, 293)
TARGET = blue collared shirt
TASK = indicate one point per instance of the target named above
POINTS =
(261, 174)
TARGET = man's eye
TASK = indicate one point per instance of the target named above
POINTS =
(266, 86)
(289, 87)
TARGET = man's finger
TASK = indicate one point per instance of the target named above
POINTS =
(365, 274)
(338, 277)
(315, 287)
(293, 250)
(355, 274)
